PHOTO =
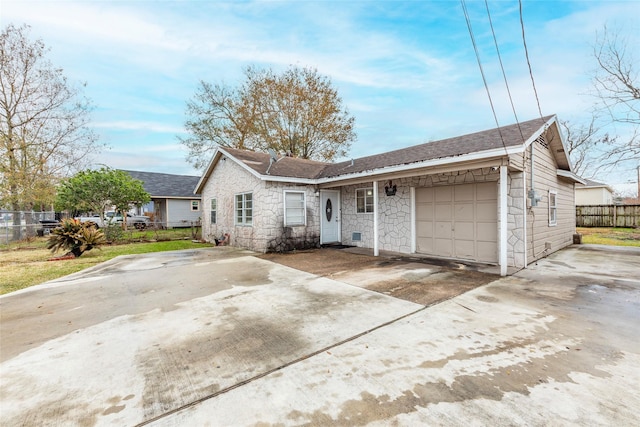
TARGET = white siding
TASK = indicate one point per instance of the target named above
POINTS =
(593, 196)
(179, 213)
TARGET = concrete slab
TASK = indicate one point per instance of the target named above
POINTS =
(167, 347)
(228, 339)
(520, 351)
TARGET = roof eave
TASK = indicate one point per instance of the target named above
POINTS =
(480, 155)
(570, 176)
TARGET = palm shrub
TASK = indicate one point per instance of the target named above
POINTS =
(76, 237)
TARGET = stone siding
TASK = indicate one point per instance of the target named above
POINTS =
(267, 233)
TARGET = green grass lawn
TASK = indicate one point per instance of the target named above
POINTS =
(26, 264)
(610, 236)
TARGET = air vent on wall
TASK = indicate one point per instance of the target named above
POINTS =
(356, 236)
(542, 141)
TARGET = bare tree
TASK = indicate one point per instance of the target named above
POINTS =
(616, 84)
(297, 111)
(43, 123)
(616, 78)
(588, 147)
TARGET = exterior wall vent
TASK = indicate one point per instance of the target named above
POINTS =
(356, 236)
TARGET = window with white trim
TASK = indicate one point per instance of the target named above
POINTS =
(244, 209)
(214, 211)
(364, 200)
(553, 208)
(294, 208)
(195, 205)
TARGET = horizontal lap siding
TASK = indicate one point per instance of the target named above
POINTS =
(538, 229)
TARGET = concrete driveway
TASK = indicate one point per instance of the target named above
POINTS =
(220, 337)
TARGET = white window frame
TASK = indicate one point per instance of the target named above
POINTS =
(195, 205)
(553, 208)
(213, 212)
(365, 196)
(287, 209)
(240, 213)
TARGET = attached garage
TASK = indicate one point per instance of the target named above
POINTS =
(458, 221)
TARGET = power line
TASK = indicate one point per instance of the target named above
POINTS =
(486, 86)
(526, 52)
(504, 75)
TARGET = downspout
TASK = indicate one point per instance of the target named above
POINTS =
(376, 250)
(503, 220)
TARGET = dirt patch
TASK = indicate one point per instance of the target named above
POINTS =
(422, 282)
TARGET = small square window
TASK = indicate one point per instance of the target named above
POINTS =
(364, 200)
(195, 205)
(553, 208)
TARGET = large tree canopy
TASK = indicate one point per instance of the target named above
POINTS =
(297, 112)
(43, 123)
(98, 190)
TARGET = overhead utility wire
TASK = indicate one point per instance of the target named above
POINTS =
(486, 86)
(504, 75)
(526, 52)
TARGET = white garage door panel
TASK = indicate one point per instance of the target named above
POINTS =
(443, 194)
(487, 251)
(458, 221)
(487, 232)
(463, 192)
(443, 230)
(443, 247)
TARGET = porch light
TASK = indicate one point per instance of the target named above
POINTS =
(390, 189)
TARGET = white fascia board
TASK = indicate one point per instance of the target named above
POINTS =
(194, 197)
(481, 155)
(207, 172)
(310, 181)
(570, 175)
(540, 131)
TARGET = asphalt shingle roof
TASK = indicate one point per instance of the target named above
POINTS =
(166, 185)
(512, 135)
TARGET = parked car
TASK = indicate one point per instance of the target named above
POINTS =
(138, 221)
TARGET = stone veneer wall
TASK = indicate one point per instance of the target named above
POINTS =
(267, 233)
(516, 245)
(395, 211)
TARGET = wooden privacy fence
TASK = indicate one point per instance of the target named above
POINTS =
(608, 216)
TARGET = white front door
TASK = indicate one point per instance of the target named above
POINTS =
(329, 216)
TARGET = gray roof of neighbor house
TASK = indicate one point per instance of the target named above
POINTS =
(164, 185)
(594, 184)
(498, 138)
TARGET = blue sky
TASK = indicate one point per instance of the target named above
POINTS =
(405, 69)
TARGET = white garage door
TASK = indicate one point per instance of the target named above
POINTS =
(458, 221)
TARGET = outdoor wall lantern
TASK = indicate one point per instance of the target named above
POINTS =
(390, 189)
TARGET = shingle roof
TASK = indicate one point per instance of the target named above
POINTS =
(451, 147)
(166, 185)
(290, 167)
(492, 139)
(487, 141)
(591, 183)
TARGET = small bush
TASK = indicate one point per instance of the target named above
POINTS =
(76, 237)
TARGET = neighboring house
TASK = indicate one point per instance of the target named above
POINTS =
(593, 193)
(173, 202)
(465, 198)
